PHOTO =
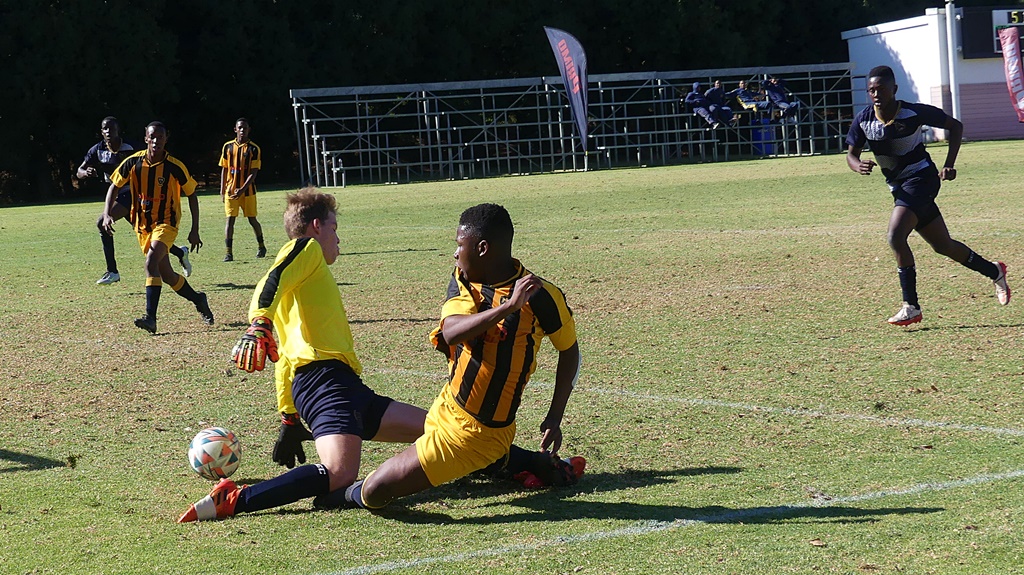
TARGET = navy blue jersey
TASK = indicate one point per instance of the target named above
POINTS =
(104, 160)
(898, 145)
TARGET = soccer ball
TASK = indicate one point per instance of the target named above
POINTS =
(214, 453)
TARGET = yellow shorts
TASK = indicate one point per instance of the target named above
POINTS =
(246, 203)
(162, 233)
(454, 444)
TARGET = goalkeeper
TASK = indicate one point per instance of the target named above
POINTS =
(317, 375)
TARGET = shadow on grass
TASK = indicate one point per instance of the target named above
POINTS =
(556, 505)
(26, 462)
(956, 327)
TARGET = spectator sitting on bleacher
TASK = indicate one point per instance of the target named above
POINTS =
(700, 105)
(720, 111)
(753, 101)
(778, 95)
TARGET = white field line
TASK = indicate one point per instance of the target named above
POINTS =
(807, 413)
(646, 527)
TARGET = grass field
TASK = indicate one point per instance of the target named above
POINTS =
(744, 407)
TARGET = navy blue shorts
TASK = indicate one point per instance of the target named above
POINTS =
(332, 400)
(918, 193)
(124, 197)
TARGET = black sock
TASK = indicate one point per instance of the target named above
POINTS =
(187, 292)
(176, 252)
(259, 240)
(517, 460)
(289, 487)
(354, 495)
(108, 251)
(981, 265)
(908, 283)
(227, 243)
(152, 300)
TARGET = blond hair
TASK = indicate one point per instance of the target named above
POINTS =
(304, 206)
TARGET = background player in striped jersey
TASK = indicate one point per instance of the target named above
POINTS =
(893, 129)
(492, 323)
(156, 181)
(100, 162)
(317, 376)
(240, 161)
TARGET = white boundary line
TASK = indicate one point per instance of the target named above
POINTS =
(807, 413)
(645, 527)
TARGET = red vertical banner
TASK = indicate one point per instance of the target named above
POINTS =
(1009, 37)
(572, 61)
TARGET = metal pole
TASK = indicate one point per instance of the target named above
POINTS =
(301, 143)
(951, 55)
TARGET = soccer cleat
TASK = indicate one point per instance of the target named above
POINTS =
(147, 323)
(111, 277)
(186, 266)
(203, 307)
(229, 258)
(907, 315)
(554, 471)
(570, 471)
(262, 252)
(219, 504)
(1002, 289)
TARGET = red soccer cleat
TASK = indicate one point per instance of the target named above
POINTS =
(220, 503)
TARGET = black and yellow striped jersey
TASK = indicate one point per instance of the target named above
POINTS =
(487, 374)
(300, 295)
(239, 160)
(156, 189)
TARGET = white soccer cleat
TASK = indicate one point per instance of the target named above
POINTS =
(111, 277)
(907, 315)
(186, 266)
(1002, 289)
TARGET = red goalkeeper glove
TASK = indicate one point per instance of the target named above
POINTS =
(253, 349)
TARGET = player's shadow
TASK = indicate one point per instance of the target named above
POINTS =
(25, 462)
(427, 320)
(406, 250)
(234, 286)
(959, 327)
(551, 504)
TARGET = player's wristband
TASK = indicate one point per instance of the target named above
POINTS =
(290, 419)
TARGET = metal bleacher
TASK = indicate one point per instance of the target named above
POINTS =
(459, 130)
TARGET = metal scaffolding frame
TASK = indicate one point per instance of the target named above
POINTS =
(458, 130)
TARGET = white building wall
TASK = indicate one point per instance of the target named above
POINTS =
(915, 48)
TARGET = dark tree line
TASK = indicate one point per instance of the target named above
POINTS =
(199, 65)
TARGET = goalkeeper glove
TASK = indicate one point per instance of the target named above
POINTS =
(253, 349)
(288, 446)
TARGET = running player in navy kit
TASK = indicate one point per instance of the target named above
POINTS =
(893, 129)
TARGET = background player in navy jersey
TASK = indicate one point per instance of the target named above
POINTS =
(240, 162)
(317, 375)
(100, 162)
(157, 181)
(494, 318)
(892, 128)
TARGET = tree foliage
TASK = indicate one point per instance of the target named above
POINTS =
(198, 65)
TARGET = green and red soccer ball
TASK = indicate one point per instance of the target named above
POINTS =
(214, 453)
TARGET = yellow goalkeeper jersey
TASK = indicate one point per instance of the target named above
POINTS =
(300, 295)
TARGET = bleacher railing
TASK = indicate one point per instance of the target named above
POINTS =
(457, 130)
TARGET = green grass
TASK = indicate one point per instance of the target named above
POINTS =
(744, 407)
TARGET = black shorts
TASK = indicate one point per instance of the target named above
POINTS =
(332, 400)
(918, 193)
